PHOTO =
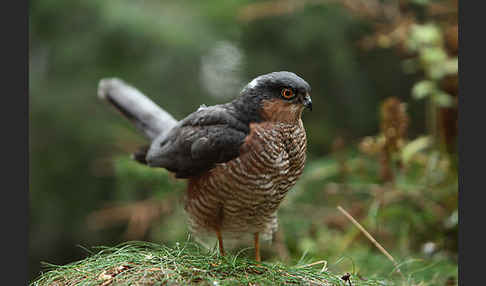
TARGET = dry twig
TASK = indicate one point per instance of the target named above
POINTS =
(368, 235)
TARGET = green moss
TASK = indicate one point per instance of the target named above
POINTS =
(142, 263)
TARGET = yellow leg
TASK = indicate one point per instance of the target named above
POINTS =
(257, 247)
(220, 241)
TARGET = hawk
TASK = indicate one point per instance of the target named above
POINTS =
(239, 158)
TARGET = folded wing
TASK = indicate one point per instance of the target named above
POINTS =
(206, 137)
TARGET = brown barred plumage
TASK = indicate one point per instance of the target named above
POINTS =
(242, 196)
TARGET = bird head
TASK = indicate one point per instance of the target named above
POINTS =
(280, 96)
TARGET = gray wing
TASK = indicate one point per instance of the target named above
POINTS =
(206, 137)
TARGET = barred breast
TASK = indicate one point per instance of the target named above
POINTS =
(242, 195)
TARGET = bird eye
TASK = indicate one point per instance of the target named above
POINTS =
(287, 93)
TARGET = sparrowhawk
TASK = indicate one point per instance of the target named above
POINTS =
(239, 158)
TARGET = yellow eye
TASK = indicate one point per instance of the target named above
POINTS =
(287, 93)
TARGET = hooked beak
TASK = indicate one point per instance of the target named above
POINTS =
(307, 101)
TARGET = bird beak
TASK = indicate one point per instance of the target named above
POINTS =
(307, 101)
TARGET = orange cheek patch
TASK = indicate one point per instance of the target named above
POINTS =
(281, 111)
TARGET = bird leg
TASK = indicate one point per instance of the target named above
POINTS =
(220, 241)
(257, 247)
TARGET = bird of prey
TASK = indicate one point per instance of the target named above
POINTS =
(240, 158)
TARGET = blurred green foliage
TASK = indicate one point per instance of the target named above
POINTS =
(186, 53)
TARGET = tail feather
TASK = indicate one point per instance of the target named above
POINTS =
(147, 116)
